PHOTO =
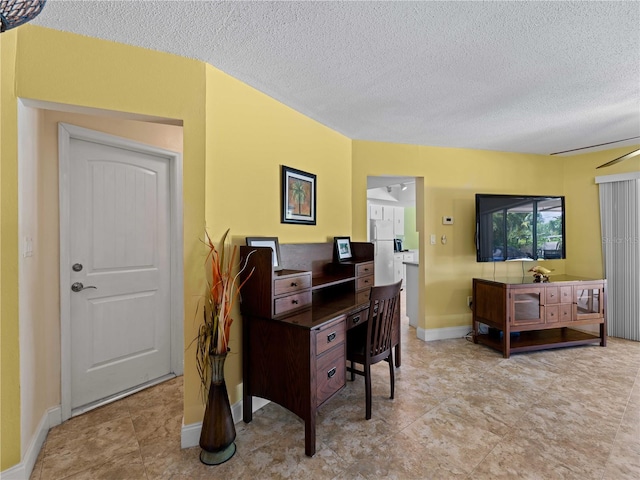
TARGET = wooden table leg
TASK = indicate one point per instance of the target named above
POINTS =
(310, 436)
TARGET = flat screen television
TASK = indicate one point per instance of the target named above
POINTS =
(519, 227)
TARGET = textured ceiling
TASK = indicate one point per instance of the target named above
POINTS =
(532, 77)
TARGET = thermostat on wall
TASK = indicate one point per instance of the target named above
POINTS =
(447, 220)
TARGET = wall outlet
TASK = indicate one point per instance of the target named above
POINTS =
(469, 301)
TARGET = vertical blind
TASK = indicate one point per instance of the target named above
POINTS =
(620, 222)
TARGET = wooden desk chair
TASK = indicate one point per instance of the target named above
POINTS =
(370, 343)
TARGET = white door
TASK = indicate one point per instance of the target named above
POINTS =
(119, 263)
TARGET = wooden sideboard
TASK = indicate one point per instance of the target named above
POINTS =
(295, 322)
(521, 314)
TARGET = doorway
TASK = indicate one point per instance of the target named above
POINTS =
(120, 267)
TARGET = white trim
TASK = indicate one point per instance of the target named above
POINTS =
(176, 275)
(190, 434)
(22, 470)
(619, 177)
(431, 334)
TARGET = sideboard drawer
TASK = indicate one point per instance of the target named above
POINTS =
(552, 295)
(291, 284)
(552, 314)
(330, 373)
(292, 302)
(364, 269)
(364, 282)
(565, 310)
(330, 335)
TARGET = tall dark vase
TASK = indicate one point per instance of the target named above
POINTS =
(218, 431)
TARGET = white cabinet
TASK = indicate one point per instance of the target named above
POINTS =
(396, 215)
(375, 212)
(388, 213)
(399, 268)
(398, 221)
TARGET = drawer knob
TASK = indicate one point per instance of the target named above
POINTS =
(551, 295)
(295, 302)
(356, 320)
(331, 337)
(366, 281)
(331, 372)
(294, 284)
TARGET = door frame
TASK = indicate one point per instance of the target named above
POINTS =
(66, 132)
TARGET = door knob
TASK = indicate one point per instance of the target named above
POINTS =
(78, 287)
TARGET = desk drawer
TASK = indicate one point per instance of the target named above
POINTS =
(357, 318)
(330, 373)
(364, 282)
(291, 302)
(291, 284)
(363, 296)
(363, 269)
(330, 335)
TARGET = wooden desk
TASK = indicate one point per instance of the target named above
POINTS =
(297, 358)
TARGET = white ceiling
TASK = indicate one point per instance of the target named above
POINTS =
(519, 76)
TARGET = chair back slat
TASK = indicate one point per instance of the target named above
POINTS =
(384, 302)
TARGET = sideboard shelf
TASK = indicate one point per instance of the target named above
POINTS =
(532, 340)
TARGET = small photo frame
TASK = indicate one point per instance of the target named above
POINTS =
(298, 197)
(343, 248)
(268, 242)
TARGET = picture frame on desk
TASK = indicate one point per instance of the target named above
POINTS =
(298, 197)
(268, 242)
(343, 248)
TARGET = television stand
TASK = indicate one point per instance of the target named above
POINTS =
(523, 315)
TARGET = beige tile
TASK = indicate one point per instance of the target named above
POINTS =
(461, 411)
(523, 457)
(458, 441)
(126, 467)
(400, 457)
(67, 455)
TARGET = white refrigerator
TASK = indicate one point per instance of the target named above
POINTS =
(382, 236)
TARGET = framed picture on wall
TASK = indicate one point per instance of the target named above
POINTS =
(298, 197)
(343, 248)
(268, 242)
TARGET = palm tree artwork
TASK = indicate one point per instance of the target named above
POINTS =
(298, 193)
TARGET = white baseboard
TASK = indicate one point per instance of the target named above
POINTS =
(190, 434)
(431, 334)
(51, 418)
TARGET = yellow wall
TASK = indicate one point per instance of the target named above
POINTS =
(452, 177)
(249, 136)
(9, 345)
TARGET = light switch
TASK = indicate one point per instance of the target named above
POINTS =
(433, 239)
(27, 247)
(443, 239)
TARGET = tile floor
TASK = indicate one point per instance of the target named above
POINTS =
(461, 411)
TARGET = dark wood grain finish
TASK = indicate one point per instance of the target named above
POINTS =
(291, 284)
(330, 335)
(532, 316)
(330, 373)
(297, 358)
